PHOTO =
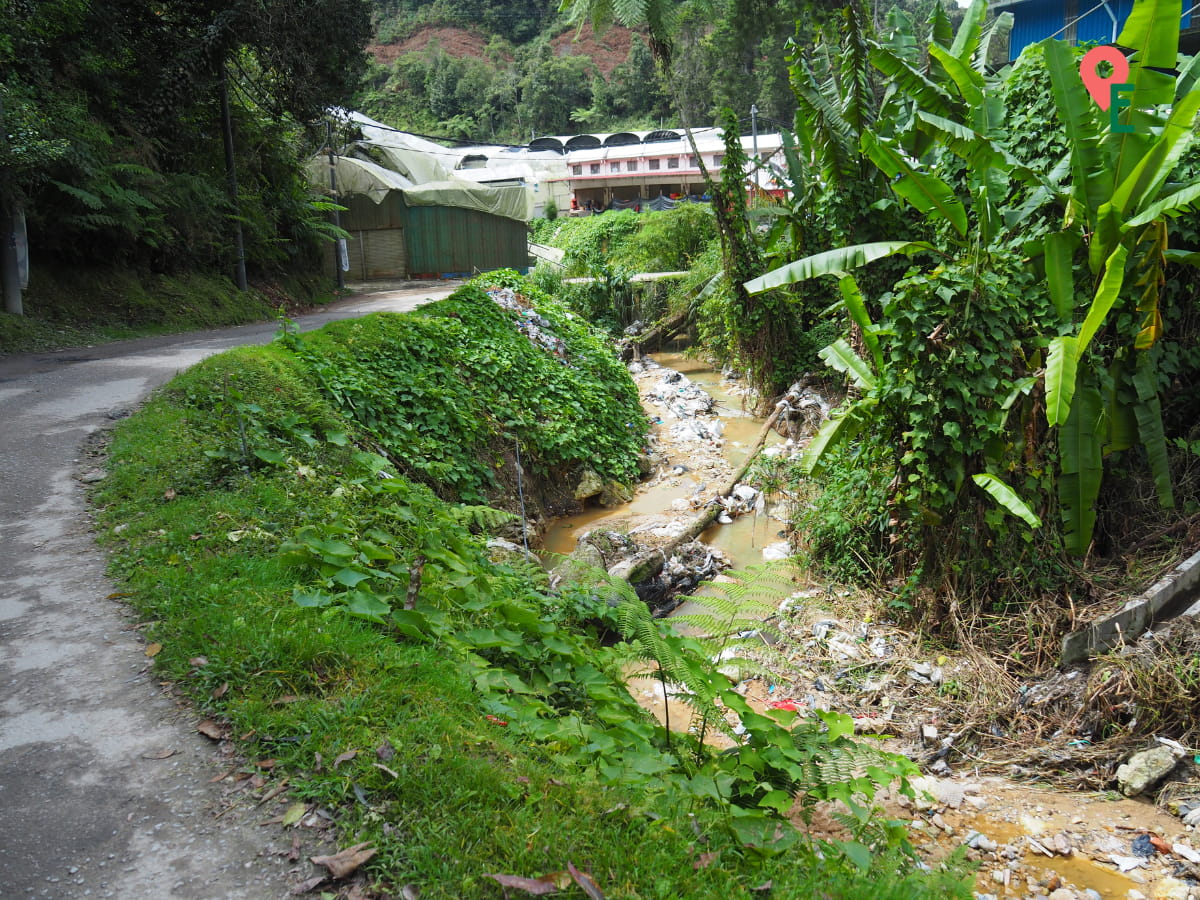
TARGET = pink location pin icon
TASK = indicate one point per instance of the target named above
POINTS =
(1097, 85)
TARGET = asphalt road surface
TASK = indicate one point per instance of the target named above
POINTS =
(105, 785)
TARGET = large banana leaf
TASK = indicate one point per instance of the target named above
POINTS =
(1061, 366)
(1007, 498)
(1060, 271)
(1079, 117)
(1082, 469)
(1118, 414)
(912, 83)
(857, 307)
(832, 262)
(1148, 411)
(999, 29)
(841, 356)
(1152, 32)
(1156, 165)
(967, 80)
(966, 40)
(835, 431)
(1174, 204)
(1106, 295)
(925, 192)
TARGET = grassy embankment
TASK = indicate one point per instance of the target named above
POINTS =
(79, 308)
(338, 610)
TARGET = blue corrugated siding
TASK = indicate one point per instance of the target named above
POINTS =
(1033, 22)
(1097, 27)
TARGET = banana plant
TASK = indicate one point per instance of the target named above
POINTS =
(1116, 210)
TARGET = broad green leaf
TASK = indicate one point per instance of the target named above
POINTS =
(275, 457)
(1007, 498)
(311, 599)
(927, 193)
(1061, 365)
(1183, 200)
(1106, 296)
(1078, 114)
(967, 80)
(1082, 467)
(412, 623)
(1023, 386)
(368, 606)
(1118, 415)
(835, 431)
(911, 83)
(1060, 271)
(841, 356)
(999, 29)
(832, 262)
(1152, 32)
(1183, 257)
(966, 40)
(350, 577)
(1159, 160)
(294, 814)
(1150, 429)
(857, 307)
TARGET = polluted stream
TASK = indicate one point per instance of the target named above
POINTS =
(1028, 843)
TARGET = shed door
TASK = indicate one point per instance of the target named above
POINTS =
(384, 254)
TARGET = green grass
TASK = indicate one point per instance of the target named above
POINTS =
(70, 307)
(196, 534)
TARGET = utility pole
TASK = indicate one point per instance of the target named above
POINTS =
(340, 253)
(231, 179)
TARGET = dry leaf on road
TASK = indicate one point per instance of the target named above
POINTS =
(211, 729)
(153, 650)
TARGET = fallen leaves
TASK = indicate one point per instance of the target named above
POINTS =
(533, 886)
(585, 882)
(294, 814)
(165, 753)
(152, 650)
(345, 862)
(344, 757)
(214, 730)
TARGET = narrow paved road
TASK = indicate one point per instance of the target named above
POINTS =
(105, 785)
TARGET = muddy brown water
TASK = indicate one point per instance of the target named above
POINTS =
(741, 541)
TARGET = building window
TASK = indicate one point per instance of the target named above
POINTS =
(576, 170)
(719, 160)
(673, 162)
(614, 167)
(654, 165)
(594, 168)
(692, 163)
(632, 165)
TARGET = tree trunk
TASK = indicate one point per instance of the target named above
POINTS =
(648, 564)
(12, 227)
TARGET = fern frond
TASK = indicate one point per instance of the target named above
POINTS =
(484, 519)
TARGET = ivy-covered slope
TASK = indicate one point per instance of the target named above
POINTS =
(451, 394)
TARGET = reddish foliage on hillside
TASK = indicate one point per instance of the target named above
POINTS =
(607, 50)
(456, 42)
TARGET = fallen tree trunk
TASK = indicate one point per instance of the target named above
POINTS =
(649, 563)
(659, 332)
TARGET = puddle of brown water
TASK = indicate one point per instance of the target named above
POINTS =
(1077, 869)
(742, 541)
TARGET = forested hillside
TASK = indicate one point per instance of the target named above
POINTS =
(113, 146)
(493, 70)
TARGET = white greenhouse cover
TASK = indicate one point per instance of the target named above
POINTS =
(421, 170)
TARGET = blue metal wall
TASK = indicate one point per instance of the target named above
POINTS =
(1032, 22)
(1035, 20)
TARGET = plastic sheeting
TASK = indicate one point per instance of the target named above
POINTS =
(417, 168)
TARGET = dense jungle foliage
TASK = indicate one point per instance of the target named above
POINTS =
(1013, 288)
(112, 128)
(520, 71)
